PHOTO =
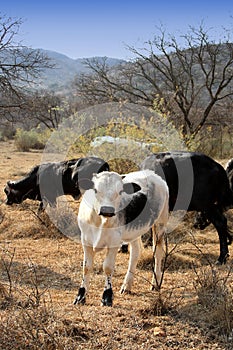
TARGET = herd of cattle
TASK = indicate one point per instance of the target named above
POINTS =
(116, 208)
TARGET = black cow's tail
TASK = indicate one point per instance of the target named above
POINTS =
(227, 198)
(226, 204)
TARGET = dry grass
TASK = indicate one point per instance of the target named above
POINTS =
(41, 270)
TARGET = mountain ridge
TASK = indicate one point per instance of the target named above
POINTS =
(66, 68)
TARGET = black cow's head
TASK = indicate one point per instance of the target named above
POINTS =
(13, 195)
(86, 167)
(17, 195)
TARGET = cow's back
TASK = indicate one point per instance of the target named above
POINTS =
(195, 180)
(51, 180)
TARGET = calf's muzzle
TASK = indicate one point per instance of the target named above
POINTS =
(107, 211)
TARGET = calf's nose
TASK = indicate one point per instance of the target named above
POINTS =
(107, 211)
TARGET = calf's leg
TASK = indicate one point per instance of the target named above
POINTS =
(135, 251)
(108, 267)
(159, 253)
(87, 269)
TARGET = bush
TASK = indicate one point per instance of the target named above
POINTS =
(26, 140)
(215, 295)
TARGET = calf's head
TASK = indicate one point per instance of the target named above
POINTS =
(106, 191)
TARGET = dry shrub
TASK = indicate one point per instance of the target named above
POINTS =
(1, 215)
(29, 319)
(26, 140)
(215, 295)
(164, 302)
(39, 328)
(24, 221)
(3, 296)
(2, 291)
(122, 165)
(161, 304)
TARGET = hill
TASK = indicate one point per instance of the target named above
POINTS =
(65, 70)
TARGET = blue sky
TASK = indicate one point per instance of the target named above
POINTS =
(85, 28)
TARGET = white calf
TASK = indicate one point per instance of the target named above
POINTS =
(120, 208)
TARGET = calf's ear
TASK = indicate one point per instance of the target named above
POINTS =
(131, 188)
(85, 184)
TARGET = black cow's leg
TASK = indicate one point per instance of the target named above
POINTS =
(220, 223)
(41, 207)
(200, 221)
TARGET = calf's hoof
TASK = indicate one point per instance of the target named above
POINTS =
(124, 248)
(125, 290)
(107, 297)
(81, 297)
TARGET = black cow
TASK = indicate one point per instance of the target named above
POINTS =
(201, 222)
(196, 183)
(48, 181)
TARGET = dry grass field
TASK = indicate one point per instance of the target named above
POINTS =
(41, 270)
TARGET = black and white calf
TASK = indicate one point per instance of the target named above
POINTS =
(120, 208)
(196, 183)
(48, 181)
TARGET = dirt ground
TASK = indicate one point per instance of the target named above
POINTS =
(41, 270)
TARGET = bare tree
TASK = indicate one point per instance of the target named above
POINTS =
(185, 77)
(104, 83)
(44, 108)
(19, 66)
